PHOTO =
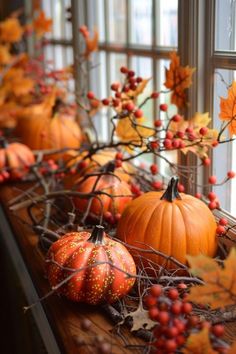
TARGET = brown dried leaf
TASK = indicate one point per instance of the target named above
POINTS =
(141, 319)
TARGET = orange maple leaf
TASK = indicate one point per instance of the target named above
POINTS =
(199, 343)
(42, 24)
(91, 44)
(22, 86)
(228, 108)
(219, 289)
(178, 79)
(5, 56)
(11, 30)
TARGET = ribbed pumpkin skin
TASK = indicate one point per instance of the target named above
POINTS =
(95, 284)
(178, 228)
(108, 184)
(41, 132)
(15, 158)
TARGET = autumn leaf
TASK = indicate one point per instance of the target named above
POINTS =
(178, 79)
(228, 108)
(232, 349)
(42, 24)
(5, 56)
(199, 343)
(22, 86)
(128, 131)
(91, 44)
(219, 289)
(11, 30)
(140, 319)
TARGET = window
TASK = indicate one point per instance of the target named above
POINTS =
(222, 71)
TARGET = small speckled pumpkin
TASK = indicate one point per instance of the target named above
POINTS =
(93, 284)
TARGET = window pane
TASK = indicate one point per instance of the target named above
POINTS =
(141, 22)
(227, 192)
(117, 21)
(167, 22)
(116, 61)
(101, 20)
(225, 38)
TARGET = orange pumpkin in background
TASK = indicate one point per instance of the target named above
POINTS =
(118, 194)
(174, 224)
(49, 125)
(97, 283)
(15, 159)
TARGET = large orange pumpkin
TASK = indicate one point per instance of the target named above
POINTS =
(96, 283)
(172, 223)
(41, 128)
(119, 194)
(15, 158)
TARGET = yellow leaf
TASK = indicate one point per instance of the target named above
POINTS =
(228, 108)
(178, 79)
(5, 56)
(199, 343)
(91, 44)
(219, 289)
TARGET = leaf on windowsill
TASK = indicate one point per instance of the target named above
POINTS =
(220, 282)
(178, 79)
(141, 319)
(228, 109)
(199, 343)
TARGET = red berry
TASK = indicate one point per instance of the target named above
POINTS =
(211, 196)
(115, 86)
(107, 215)
(118, 163)
(124, 70)
(173, 294)
(180, 134)
(155, 95)
(167, 143)
(169, 135)
(189, 130)
(154, 144)
(198, 195)
(130, 106)
(90, 95)
(203, 131)
(191, 136)
(82, 165)
(94, 103)
(150, 301)
(181, 188)
(138, 113)
(135, 189)
(105, 102)
(212, 179)
(139, 79)
(157, 185)
(131, 73)
(132, 80)
(182, 144)
(119, 155)
(126, 89)
(158, 123)
(206, 161)
(215, 143)
(163, 107)
(6, 174)
(182, 286)
(186, 308)
(133, 87)
(156, 290)
(115, 102)
(212, 205)
(163, 317)
(180, 325)
(176, 118)
(170, 346)
(176, 308)
(153, 313)
(118, 95)
(223, 221)
(154, 169)
(220, 230)
(175, 143)
(218, 330)
(1, 178)
(172, 332)
(231, 174)
(180, 340)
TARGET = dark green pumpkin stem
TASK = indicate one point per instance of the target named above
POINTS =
(3, 143)
(97, 235)
(171, 192)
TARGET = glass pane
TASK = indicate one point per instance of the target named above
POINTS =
(116, 61)
(101, 20)
(225, 25)
(227, 192)
(141, 22)
(167, 23)
(117, 21)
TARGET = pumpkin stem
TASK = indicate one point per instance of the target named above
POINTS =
(171, 192)
(3, 143)
(97, 235)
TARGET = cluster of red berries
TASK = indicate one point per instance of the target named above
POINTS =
(175, 321)
(221, 230)
(110, 218)
(78, 167)
(51, 167)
